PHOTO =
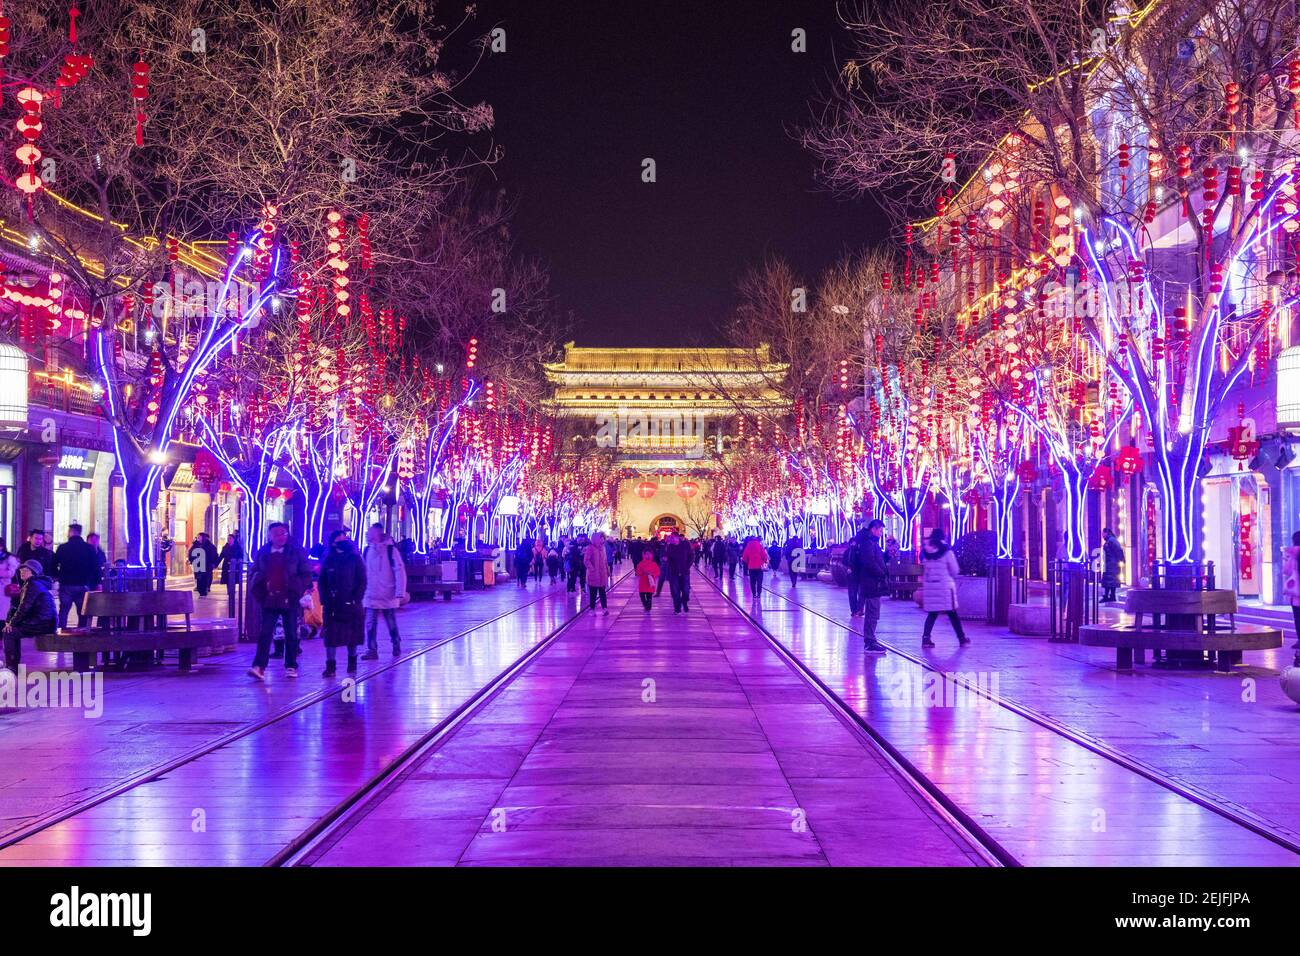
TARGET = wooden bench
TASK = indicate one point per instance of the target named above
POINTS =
(424, 580)
(1185, 626)
(903, 578)
(132, 622)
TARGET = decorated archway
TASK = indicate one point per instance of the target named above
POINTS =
(665, 524)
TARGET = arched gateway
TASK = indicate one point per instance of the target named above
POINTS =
(669, 414)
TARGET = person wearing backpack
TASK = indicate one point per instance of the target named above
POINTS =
(939, 587)
(385, 589)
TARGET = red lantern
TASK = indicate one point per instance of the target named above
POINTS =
(224, 488)
(272, 493)
(646, 489)
(286, 493)
(1102, 479)
(1128, 460)
(687, 489)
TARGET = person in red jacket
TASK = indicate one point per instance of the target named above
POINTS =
(647, 576)
(754, 558)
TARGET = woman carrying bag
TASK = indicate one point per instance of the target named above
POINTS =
(939, 587)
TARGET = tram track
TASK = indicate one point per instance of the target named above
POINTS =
(332, 826)
(170, 765)
(1237, 815)
(984, 844)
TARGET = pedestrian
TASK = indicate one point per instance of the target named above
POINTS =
(597, 566)
(385, 588)
(8, 573)
(678, 560)
(523, 561)
(101, 561)
(281, 575)
(75, 568)
(34, 549)
(794, 558)
(874, 583)
(232, 552)
(539, 560)
(577, 567)
(647, 576)
(1291, 580)
(635, 547)
(1112, 556)
(342, 593)
(203, 559)
(774, 557)
(755, 558)
(854, 563)
(32, 613)
(553, 565)
(939, 570)
(733, 556)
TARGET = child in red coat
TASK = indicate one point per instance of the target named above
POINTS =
(647, 576)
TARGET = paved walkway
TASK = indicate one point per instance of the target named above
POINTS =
(653, 739)
(259, 791)
(1040, 794)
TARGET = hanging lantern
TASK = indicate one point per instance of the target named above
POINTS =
(139, 93)
(687, 490)
(272, 493)
(646, 489)
(1128, 460)
(1103, 479)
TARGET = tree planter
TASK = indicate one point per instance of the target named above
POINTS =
(972, 598)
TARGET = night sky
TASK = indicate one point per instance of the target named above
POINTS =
(710, 90)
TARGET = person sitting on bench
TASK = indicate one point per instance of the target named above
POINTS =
(32, 613)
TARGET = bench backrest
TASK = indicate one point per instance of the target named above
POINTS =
(1160, 601)
(137, 603)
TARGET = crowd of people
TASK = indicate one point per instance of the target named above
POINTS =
(343, 592)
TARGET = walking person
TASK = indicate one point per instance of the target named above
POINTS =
(32, 613)
(678, 560)
(553, 565)
(231, 554)
(203, 559)
(539, 560)
(281, 575)
(1112, 556)
(342, 591)
(385, 589)
(75, 567)
(939, 570)
(597, 565)
(647, 577)
(577, 567)
(755, 558)
(794, 558)
(733, 556)
(523, 561)
(874, 583)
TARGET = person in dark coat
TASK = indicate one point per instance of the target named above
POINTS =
(342, 587)
(76, 566)
(577, 565)
(281, 576)
(34, 549)
(203, 559)
(874, 582)
(232, 552)
(101, 560)
(1112, 556)
(678, 560)
(523, 561)
(32, 613)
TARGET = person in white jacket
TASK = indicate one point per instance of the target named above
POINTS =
(385, 589)
(939, 587)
